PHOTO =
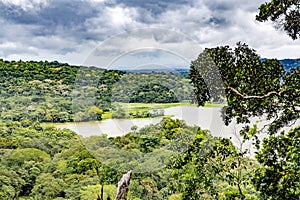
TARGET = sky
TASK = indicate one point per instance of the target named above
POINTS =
(134, 33)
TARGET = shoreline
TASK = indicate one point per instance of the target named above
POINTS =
(141, 106)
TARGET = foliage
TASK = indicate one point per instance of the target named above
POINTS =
(44, 91)
(53, 164)
(278, 178)
(138, 110)
(254, 87)
(163, 87)
(47, 163)
(250, 86)
(212, 168)
(286, 14)
(57, 92)
(48, 187)
(92, 192)
(153, 93)
(146, 152)
(38, 161)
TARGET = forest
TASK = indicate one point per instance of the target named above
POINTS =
(46, 91)
(42, 162)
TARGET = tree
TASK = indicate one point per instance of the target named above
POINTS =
(95, 113)
(22, 156)
(48, 187)
(134, 128)
(285, 13)
(211, 168)
(10, 183)
(279, 177)
(254, 87)
(251, 86)
(92, 192)
(118, 112)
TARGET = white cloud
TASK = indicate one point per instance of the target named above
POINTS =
(121, 17)
(61, 29)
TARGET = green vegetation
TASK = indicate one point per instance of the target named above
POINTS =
(279, 178)
(43, 91)
(169, 160)
(41, 162)
(136, 111)
(250, 86)
(212, 168)
(285, 14)
(141, 110)
(152, 88)
(254, 88)
(56, 92)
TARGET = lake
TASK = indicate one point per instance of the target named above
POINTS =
(206, 118)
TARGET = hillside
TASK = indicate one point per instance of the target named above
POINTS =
(290, 63)
(57, 92)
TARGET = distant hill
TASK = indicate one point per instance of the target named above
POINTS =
(290, 63)
(183, 71)
(287, 63)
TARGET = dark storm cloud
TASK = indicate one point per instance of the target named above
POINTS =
(68, 16)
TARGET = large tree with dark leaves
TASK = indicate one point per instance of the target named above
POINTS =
(251, 86)
(255, 87)
(285, 14)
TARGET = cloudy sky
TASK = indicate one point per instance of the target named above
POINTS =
(75, 31)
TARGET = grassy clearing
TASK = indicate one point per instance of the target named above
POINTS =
(146, 110)
(107, 115)
(147, 105)
(140, 106)
(136, 108)
(214, 105)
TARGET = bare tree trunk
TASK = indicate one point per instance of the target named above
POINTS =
(123, 185)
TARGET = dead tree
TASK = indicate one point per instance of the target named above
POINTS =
(123, 185)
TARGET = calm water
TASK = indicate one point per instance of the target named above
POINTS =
(207, 118)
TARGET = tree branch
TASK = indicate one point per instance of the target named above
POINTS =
(253, 96)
